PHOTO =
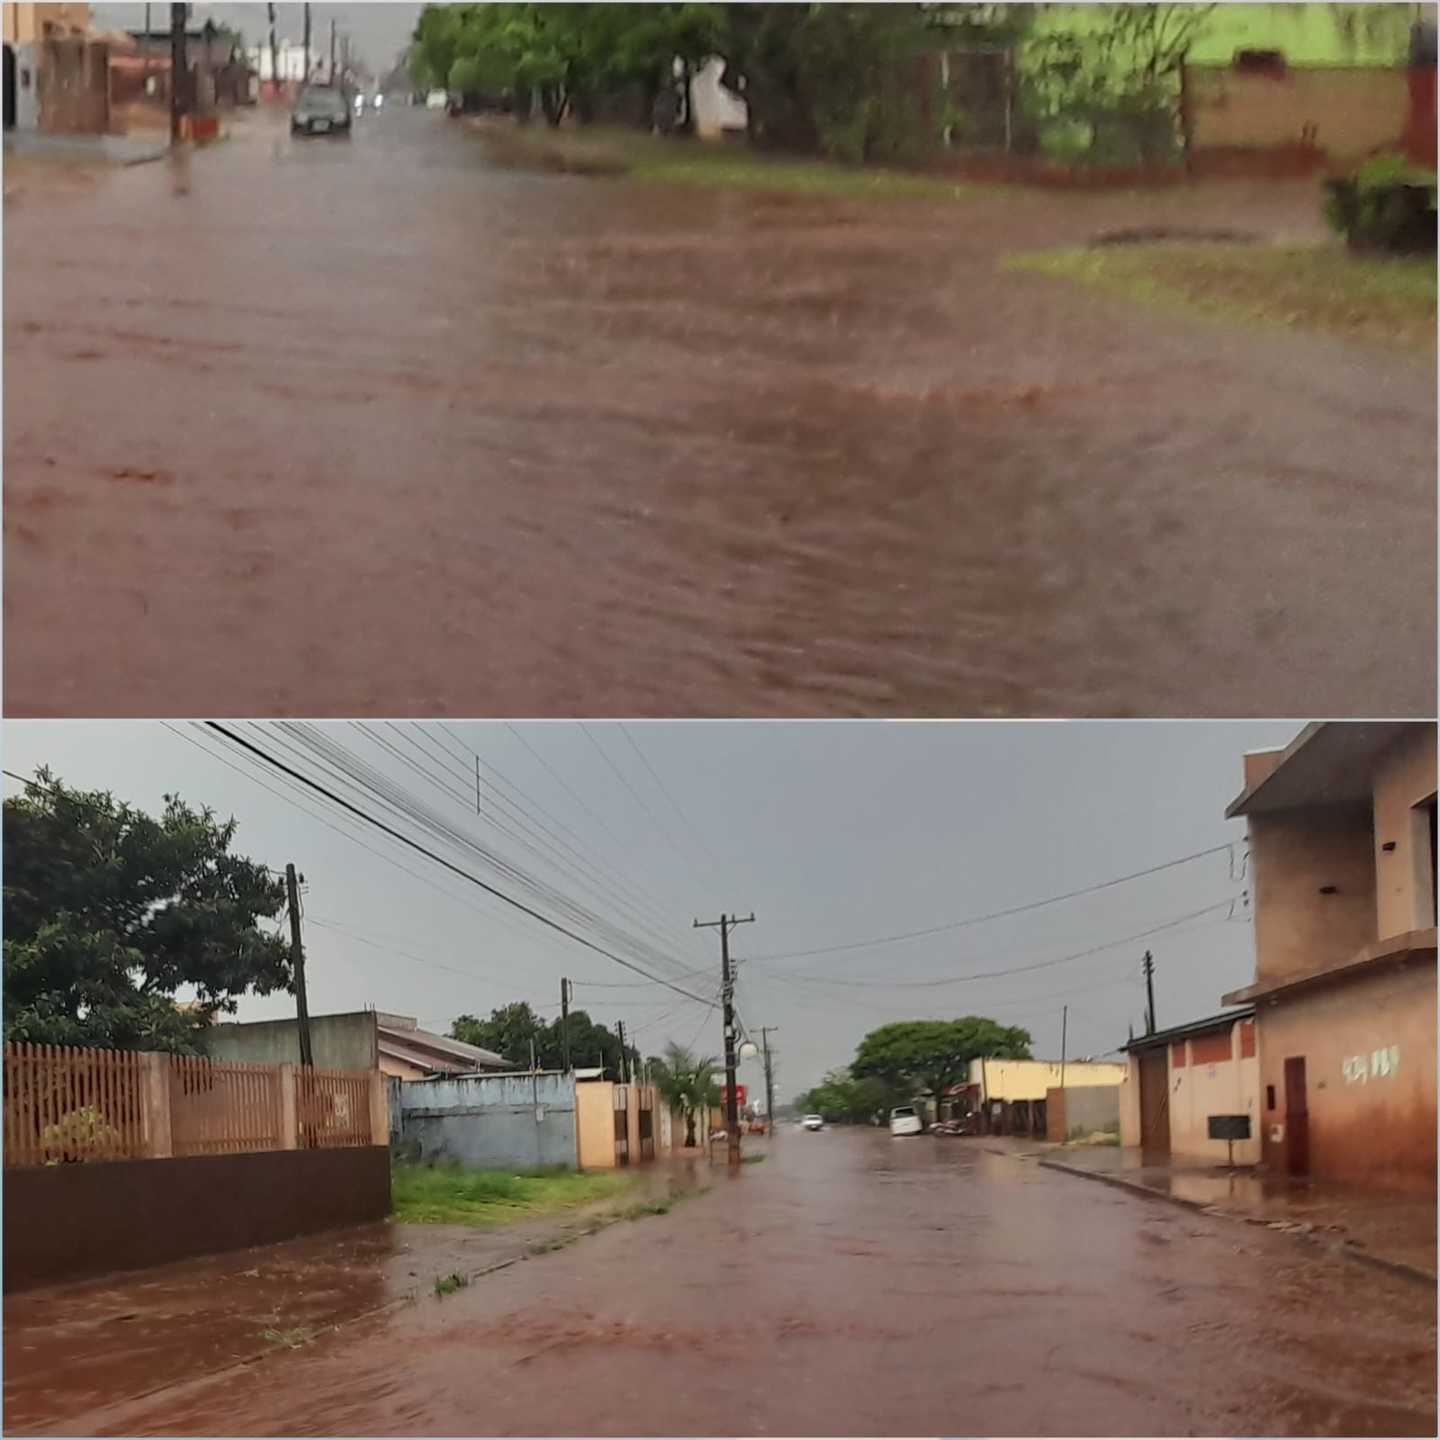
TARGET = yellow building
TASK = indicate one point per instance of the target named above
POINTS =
(25, 24)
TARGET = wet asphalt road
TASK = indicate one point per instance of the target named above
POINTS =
(374, 427)
(854, 1284)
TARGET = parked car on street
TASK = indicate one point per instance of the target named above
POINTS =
(437, 100)
(813, 1122)
(905, 1120)
(321, 110)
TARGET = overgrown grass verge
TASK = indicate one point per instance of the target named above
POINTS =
(1382, 300)
(716, 166)
(443, 1194)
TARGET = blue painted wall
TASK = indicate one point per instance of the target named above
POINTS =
(490, 1122)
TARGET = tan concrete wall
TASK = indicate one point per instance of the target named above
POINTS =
(1200, 1089)
(1353, 110)
(1294, 853)
(1405, 876)
(595, 1124)
(1031, 1079)
(1369, 1049)
(1130, 1103)
(25, 23)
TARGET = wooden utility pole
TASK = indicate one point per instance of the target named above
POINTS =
(307, 44)
(297, 966)
(1148, 965)
(178, 75)
(725, 924)
(765, 1033)
(565, 1023)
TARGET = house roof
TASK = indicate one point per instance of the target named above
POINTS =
(1195, 1027)
(439, 1054)
(1325, 764)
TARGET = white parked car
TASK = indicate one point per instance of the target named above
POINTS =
(813, 1122)
(905, 1120)
(437, 100)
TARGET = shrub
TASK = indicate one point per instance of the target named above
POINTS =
(1388, 204)
(81, 1134)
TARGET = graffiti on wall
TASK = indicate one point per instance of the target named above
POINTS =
(1377, 1065)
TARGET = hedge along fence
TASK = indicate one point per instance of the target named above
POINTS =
(64, 1106)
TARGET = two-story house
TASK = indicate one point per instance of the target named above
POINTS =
(1342, 854)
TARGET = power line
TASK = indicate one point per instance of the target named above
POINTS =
(440, 859)
(997, 914)
(665, 791)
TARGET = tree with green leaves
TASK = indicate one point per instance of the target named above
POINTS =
(841, 1096)
(686, 1083)
(511, 1029)
(929, 1056)
(109, 913)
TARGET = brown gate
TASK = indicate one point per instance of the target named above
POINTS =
(647, 1127)
(1154, 1102)
(622, 1126)
(1297, 1118)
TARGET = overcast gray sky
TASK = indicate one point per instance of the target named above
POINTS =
(833, 833)
(378, 32)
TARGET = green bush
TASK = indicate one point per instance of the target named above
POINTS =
(1388, 204)
(82, 1134)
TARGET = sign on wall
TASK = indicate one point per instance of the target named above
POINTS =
(1377, 1065)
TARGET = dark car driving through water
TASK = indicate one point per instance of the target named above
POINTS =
(321, 110)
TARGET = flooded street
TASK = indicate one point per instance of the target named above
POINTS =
(852, 1283)
(374, 427)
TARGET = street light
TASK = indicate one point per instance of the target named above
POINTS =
(749, 1050)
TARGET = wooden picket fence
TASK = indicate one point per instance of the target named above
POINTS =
(62, 1106)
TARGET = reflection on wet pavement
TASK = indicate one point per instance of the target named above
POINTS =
(858, 1284)
(557, 445)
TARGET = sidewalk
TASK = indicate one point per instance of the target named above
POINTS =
(95, 149)
(1394, 1232)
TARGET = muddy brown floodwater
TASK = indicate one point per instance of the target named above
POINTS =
(855, 1284)
(376, 427)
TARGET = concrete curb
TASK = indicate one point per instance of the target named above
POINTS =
(1345, 1248)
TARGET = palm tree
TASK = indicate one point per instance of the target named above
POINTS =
(686, 1083)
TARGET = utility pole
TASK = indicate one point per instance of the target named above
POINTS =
(332, 51)
(307, 63)
(725, 924)
(624, 1056)
(147, 51)
(178, 75)
(765, 1032)
(1064, 1022)
(565, 1023)
(1148, 966)
(297, 962)
(274, 54)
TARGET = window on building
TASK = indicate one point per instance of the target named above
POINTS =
(1261, 62)
(1427, 860)
(1269, 1097)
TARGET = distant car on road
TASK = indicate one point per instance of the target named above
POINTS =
(437, 100)
(813, 1122)
(905, 1120)
(320, 110)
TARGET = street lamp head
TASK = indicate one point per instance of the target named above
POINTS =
(749, 1050)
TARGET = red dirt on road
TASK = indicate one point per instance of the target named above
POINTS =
(375, 427)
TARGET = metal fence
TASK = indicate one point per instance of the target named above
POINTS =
(63, 1106)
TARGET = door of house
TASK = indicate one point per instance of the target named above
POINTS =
(1155, 1102)
(622, 1126)
(1297, 1118)
(647, 1127)
(9, 78)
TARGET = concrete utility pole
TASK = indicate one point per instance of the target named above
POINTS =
(1148, 965)
(178, 76)
(765, 1032)
(297, 965)
(725, 924)
(332, 51)
(624, 1054)
(307, 63)
(274, 54)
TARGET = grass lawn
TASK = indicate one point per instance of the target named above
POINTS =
(1386, 300)
(448, 1195)
(718, 166)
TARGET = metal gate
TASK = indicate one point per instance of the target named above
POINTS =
(622, 1126)
(647, 1127)
(9, 78)
(978, 85)
(1297, 1118)
(1155, 1101)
